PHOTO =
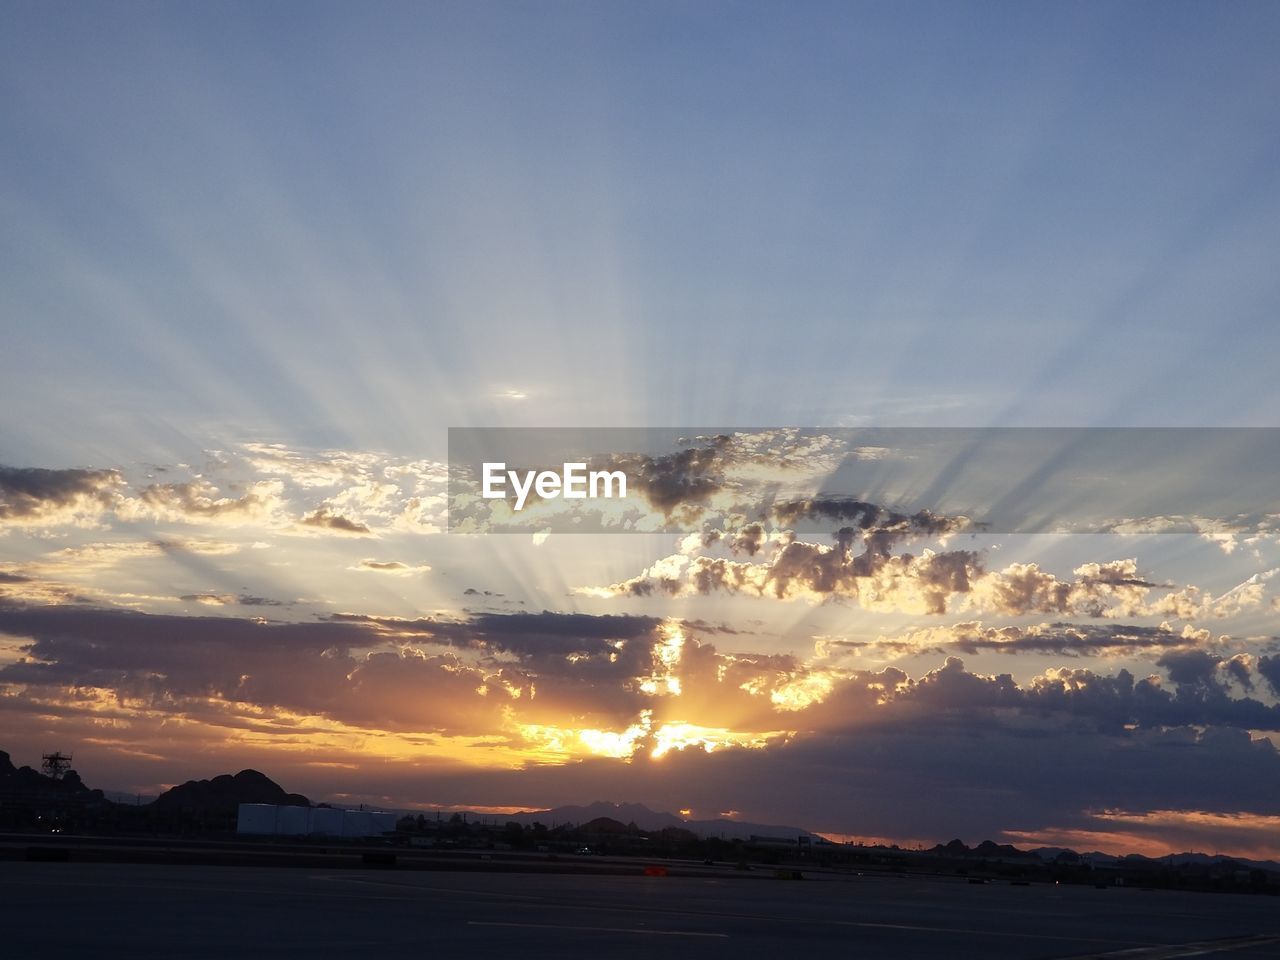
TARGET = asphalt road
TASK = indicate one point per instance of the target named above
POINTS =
(51, 910)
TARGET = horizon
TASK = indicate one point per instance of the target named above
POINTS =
(495, 813)
(988, 291)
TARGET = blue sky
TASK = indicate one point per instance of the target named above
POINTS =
(266, 217)
(255, 259)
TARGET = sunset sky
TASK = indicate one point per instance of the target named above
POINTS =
(256, 260)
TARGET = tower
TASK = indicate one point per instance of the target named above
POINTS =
(55, 765)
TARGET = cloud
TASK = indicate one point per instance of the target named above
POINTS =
(229, 599)
(1269, 668)
(881, 529)
(526, 633)
(1121, 699)
(559, 694)
(74, 574)
(1203, 674)
(931, 582)
(714, 477)
(566, 665)
(686, 478)
(326, 469)
(257, 484)
(36, 497)
(1114, 588)
(1160, 831)
(103, 555)
(1060, 638)
(368, 490)
(1227, 534)
(394, 568)
(802, 570)
(323, 519)
(200, 501)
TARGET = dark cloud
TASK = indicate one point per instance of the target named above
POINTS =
(227, 599)
(838, 510)
(1201, 674)
(564, 665)
(881, 529)
(1065, 639)
(1192, 668)
(31, 495)
(88, 646)
(747, 539)
(323, 519)
(948, 752)
(529, 633)
(1269, 668)
(249, 600)
(581, 663)
(1104, 703)
(173, 663)
(686, 478)
(1197, 699)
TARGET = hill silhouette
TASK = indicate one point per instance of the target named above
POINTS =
(987, 849)
(224, 794)
(23, 785)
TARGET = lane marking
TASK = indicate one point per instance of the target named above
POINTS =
(1143, 950)
(653, 910)
(1199, 948)
(567, 926)
(456, 891)
(203, 889)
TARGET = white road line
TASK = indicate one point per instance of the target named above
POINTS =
(653, 910)
(1201, 948)
(422, 888)
(574, 927)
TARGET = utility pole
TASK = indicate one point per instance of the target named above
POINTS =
(55, 765)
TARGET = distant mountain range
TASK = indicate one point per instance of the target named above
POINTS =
(647, 819)
(1002, 851)
(222, 795)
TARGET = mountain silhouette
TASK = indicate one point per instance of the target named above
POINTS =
(224, 794)
(19, 785)
(653, 820)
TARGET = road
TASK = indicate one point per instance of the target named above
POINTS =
(53, 910)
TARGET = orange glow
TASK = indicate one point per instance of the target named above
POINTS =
(666, 660)
(804, 691)
(678, 736)
(1157, 833)
(606, 743)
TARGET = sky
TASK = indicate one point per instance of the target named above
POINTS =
(257, 260)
